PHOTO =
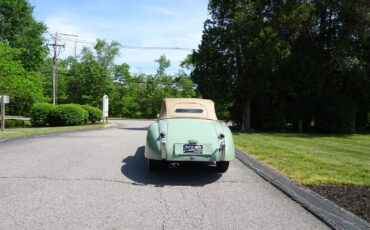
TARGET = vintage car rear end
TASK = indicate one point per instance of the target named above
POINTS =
(188, 130)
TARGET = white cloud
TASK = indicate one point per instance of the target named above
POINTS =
(161, 26)
(66, 25)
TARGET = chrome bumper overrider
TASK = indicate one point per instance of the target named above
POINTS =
(222, 151)
(163, 148)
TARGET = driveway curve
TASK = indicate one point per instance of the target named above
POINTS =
(98, 180)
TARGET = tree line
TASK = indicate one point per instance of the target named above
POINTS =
(25, 71)
(268, 65)
(274, 64)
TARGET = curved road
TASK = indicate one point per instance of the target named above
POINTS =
(98, 180)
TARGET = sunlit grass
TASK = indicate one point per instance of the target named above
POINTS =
(15, 132)
(312, 159)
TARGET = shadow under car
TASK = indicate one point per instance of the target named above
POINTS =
(188, 174)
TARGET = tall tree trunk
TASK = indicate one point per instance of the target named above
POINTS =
(246, 121)
(282, 114)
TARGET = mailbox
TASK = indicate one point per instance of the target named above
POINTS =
(4, 98)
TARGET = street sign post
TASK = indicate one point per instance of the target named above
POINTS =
(4, 99)
(105, 108)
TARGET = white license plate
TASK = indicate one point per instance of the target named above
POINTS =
(192, 149)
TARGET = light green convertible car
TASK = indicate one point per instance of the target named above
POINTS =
(187, 130)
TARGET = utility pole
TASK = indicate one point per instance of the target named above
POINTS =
(55, 46)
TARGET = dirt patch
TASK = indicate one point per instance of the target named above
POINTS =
(355, 199)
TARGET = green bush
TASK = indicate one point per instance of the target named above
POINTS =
(335, 115)
(67, 114)
(27, 124)
(94, 113)
(40, 114)
(9, 123)
(86, 115)
(19, 123)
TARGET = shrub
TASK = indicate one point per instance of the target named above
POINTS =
(40, 114)
(27, 124)
(19, 123)
(94, 113)
(86, 115)
(67, 114)
(9, 123)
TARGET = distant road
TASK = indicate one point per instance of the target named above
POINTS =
(98, 180)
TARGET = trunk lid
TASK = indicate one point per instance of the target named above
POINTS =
(186, 131)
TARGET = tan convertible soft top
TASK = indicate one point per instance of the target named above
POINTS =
(187, 108)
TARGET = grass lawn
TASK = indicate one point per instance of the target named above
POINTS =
(312, 159)
(15, 132)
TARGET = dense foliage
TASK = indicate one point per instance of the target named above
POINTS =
(94, 113)
(68, 114)
(40, 114)
(273, 63)
(45, 114)
(23, 87)
(20, 30)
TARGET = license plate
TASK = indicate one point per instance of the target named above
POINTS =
(192, 149)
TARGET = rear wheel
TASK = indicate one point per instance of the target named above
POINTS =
(153, 165)
(222, 166)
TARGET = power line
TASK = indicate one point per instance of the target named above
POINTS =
(155, 48)
(130, 46)
(155, 68)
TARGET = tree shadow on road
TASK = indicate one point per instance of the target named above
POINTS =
(188, 174)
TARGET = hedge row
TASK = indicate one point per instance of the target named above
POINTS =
(44, 114)
(12, 123)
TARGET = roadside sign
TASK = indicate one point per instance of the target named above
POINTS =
(105, 107)
(6, 99)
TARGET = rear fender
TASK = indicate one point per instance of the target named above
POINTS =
(152, 148)
(229, 143)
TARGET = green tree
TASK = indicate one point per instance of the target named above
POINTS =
(20, 30)
(163, 63)
(283, 58)
(24, 88)
(125, 101)
(91, 78)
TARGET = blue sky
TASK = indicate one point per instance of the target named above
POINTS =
(165, 23)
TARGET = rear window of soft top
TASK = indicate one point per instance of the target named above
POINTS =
(189, 111)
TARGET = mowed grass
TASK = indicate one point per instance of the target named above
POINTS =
(312, 159)
(15, 132)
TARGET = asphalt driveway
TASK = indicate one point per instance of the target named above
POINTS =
(99, 180)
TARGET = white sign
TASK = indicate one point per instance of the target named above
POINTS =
(105, 106)
(6, 99)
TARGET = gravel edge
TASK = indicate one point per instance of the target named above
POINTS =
(327, 211)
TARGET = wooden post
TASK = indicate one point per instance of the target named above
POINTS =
(2, 113)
